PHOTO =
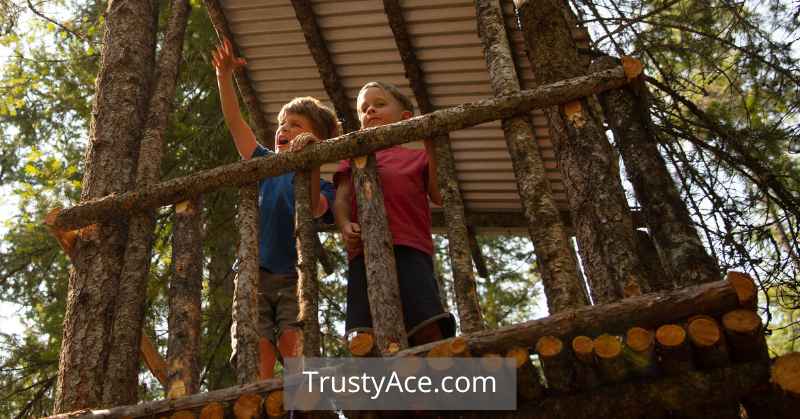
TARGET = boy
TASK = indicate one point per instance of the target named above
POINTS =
(300, 122)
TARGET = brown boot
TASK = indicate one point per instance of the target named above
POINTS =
(429, 333)
(266, 359)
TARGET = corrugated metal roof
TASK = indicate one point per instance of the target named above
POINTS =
(362, 48)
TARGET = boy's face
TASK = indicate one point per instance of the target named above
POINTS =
(292, 125)
(378, 107)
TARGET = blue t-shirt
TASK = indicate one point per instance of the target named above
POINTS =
(276, 243)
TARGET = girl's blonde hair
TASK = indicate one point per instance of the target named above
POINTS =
(323, 119)
(404, 101)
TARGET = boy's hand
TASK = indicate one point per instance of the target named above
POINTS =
(301, 141)
(351, 232)
(223, 59)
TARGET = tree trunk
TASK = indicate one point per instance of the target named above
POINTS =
(122, 371)
(382, 287)
(357, 143)
(680, 250)
(559, 269)
(220, 236)
(307, 282)
(185, 288)
(244, 335)
(603, 223)
(122, 91)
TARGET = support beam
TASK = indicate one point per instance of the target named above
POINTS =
(682, 254)
(327, 71)
(469, 311)
(244, 335)
(241, 75)
(342, 147)
(562, 282)
(477, 254)
(383, 290)
(307, 281)
(603, 224)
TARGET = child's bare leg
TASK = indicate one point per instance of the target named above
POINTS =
(266, 358)
(289, 343)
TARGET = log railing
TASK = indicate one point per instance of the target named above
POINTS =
(612, 344)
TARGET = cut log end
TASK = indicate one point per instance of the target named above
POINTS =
(745, 288)
(273, 404)
(583, 347)
(439, 357)
(549, 346)
(633, 67)
(183, 414)
(607, 346)
(362, 344)
(213, 410)
(520, 356)
(459, 347)
(785, 373)
(670, 335)
(639, 339)
(742, 321)
(247, 406)
(704, 332)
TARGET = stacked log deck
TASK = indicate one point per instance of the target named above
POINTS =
(698, 351)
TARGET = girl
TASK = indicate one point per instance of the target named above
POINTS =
(300, 122)
(408, 178)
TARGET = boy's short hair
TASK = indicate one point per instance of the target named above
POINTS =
(404, 101)
(323, 119)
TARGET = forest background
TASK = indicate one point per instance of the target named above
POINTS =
(725, 86)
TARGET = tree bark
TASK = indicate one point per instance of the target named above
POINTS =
(679, 247)
(466, 295)
(244, 335)
(184, 295)
(105, 207)
(307, 282)
(119, 112)
(382, 287)
(603, 223)
(647, 311)
(563, 286)
(122, 371)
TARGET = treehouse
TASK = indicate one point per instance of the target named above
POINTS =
(517, 102)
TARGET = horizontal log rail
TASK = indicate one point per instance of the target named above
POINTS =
(646, 311)
(347, 146)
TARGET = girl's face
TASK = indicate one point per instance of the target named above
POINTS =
(377, 107)
(292, 125)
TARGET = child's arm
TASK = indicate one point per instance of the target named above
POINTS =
(225, 63)
(319, 202)
(433, 176)
(351, 232)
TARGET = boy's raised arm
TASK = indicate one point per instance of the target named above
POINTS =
(225, 63)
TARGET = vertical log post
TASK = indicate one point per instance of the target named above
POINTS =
(307, 284)
(184, 295)
(679, 247)
(598, 206)
(382, 286)
(466, 295)
(244, 335)
(562, 284)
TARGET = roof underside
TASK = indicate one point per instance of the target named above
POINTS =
(362, 48)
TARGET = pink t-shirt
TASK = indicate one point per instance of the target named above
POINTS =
(403, 174)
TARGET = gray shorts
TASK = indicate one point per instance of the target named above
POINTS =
(277, 303)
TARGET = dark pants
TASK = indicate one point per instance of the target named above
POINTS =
(419, 294)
